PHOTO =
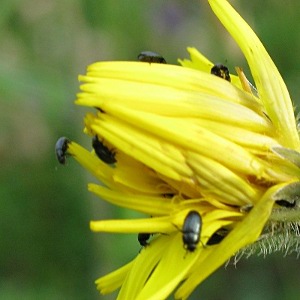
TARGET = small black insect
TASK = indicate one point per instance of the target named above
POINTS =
(168, 195)
(103, 152)
(217, 237)
(61, 148)
(151, 57)
(286, 203)
(221, 71)
(143, 239)
(191, 230)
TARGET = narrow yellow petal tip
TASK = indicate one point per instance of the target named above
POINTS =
(269, 83)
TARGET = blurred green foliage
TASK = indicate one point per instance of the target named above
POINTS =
(47, 250)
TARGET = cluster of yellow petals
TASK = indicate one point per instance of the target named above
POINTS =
(188, 140)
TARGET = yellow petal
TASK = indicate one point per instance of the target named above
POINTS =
(200, 62)
(270, 85)
(257, 143)
(245, 232)
(162, 87)
(112, 281)
(154, 206)
(155, 153)
(143, 266)
(170, 271)
(220, 182)
(177, 131)
(151, 225)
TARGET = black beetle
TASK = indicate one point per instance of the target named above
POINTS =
(221, 71)
(61, 148)
(217, 237)
(103, 152)
(191, 230)
(285, 203)
(151, 57)
(143, 238)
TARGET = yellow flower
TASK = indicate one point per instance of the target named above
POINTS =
(171, 140)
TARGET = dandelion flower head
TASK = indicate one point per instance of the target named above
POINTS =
(212, 161)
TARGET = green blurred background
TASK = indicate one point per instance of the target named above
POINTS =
(47, 250)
